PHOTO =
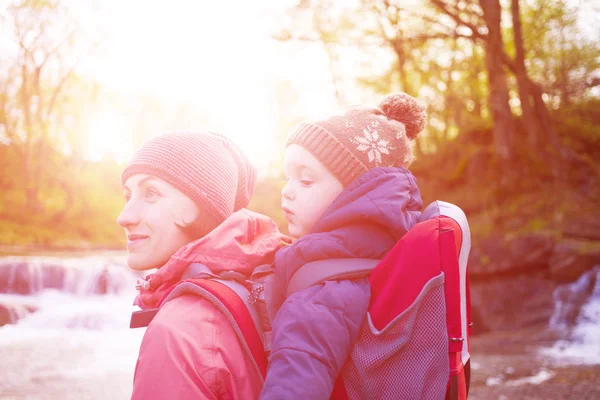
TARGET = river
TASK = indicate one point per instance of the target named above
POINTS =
(67, 336)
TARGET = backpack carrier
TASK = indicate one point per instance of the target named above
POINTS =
(414, 343)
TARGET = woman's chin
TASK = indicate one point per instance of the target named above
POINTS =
(138, 262)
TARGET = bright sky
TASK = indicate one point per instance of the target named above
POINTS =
(215, 57)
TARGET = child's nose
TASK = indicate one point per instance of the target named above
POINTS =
(287, 192)
(129, 216)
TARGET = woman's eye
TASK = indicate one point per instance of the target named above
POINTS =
(151, 194)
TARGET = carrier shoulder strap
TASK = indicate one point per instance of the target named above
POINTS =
(317, 272)
(230, 297)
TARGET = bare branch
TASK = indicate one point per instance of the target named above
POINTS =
(25, 98)
(456, 17)
(59, 45)
(58, 89)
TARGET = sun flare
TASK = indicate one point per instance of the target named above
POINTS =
(105, 138)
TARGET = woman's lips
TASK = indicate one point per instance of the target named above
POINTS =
(134, 241)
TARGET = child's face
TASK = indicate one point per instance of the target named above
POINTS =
(310, 189)
(151, 217)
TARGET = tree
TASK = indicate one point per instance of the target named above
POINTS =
(529, 118)
(442, 48)
(373, 28)
(36, 74)
(485, 25)
(504, 126)
(561, 58)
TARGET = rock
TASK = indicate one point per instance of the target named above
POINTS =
(479, 326)
(12, 279)
(588, 228)
(31, 277)
(500, 255)
(21, 277)
(103, 284)
(525, 281)
(571, 258)
(11, 313)
(5, 315)
(513, 302)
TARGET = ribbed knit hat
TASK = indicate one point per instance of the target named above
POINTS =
(207, 167)
(363, 138)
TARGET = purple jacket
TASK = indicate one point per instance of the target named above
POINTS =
(314, 329)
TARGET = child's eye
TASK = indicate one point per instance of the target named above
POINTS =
(151, 194)
(306, 182)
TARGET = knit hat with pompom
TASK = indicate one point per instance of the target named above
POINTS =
(363, 138)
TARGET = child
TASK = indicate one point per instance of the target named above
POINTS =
(348, 195)
(185, 197)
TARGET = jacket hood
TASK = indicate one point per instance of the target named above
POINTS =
(243, 241)
(364, 221)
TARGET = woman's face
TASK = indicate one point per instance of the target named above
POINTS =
(151, 216)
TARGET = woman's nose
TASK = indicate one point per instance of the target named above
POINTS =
(287, 192)
(129, 216)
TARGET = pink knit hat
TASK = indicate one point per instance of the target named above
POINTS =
(363, 138)
(207, 167)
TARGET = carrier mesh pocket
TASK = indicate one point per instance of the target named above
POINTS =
(408, 359)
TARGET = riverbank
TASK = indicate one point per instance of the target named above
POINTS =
(76, 342)
(77, 364)
(60, 251)
(515, 365)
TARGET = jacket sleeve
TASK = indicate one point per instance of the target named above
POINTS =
(313, 334)
(190, 351)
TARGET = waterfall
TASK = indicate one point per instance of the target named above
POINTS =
(66, 293)
(577, 316)
(78, 276)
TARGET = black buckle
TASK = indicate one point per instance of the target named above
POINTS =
(140, 319)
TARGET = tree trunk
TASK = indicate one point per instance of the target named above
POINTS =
(401, 57)
(529, 116)
(565, 98)
(476, 87)
(450, 99)
(418, 148)
(550, 135)
(504, 125)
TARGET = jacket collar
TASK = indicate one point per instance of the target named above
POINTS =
(243, 241)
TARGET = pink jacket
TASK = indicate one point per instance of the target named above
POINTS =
(190, 350)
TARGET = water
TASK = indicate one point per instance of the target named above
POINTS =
(80, 276)
(540, 377)
(76, 344)
(71, 338)
(577, 316)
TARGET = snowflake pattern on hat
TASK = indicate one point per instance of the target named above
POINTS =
(402, 132)
(360, 138)
(370, 143)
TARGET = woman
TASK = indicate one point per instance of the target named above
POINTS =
(186, 194)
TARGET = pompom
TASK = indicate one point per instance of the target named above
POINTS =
(406, 109)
